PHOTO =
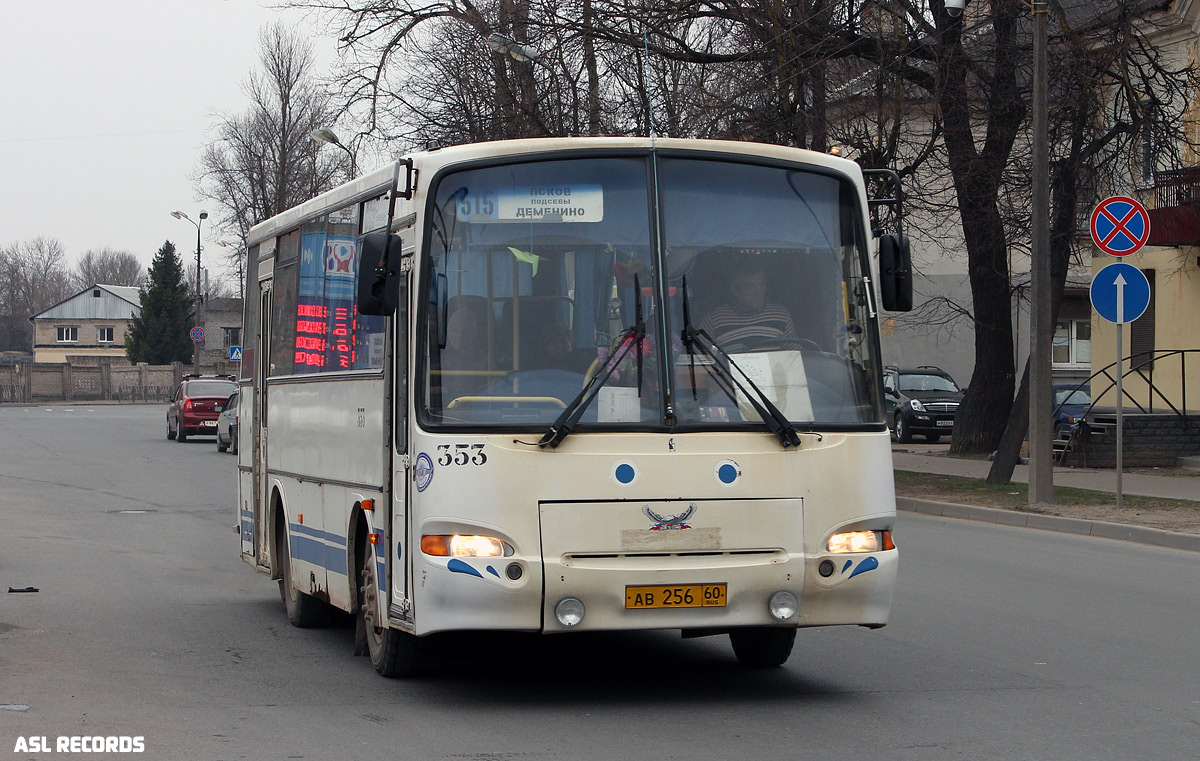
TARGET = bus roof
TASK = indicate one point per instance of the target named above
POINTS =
(378, 181)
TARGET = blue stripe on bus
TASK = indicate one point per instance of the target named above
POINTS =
(312, 546)
(318, 553)
(300, 528)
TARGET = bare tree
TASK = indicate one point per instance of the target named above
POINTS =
(944, 99)
(109, 267)
(263, 161)
(33, 277)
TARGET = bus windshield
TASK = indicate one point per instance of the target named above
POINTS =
(541, 276)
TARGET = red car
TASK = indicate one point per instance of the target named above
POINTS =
(196, 404)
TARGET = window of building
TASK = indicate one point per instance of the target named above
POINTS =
(104, 335)
(68, 334)
(233, 337)
(1072, 343)
(1141, 332)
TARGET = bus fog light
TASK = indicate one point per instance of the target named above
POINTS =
(783, 605)
(825, 568)
(514, 571)
(860, 541)
(569, 611)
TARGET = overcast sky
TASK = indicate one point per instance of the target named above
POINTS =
(106, 108)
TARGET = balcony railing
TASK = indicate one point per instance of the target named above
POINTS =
(1176, 219)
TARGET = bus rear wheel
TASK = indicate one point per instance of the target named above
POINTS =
(394, 653)
(764, 646)
(303, 610)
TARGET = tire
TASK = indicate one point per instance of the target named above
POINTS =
(221, 447)
(170, 431)
(394, 653)
(764, 646)
(233, 442)
(303, 610)
(180, 435)
(901, 431)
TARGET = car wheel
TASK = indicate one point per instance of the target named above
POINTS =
(232, 441)
(901, 430)
(221, 447)
(170, 431)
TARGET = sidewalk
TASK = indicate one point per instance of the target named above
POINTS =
(1168, 486)
(1143, 485)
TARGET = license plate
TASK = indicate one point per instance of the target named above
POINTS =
(209, 423)
(945, 423)
(676, 596)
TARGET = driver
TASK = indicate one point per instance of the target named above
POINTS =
(749, 320)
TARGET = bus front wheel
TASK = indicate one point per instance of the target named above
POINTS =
(394, 653)
(762, 647)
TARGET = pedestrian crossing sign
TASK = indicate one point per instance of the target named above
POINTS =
(235, 354)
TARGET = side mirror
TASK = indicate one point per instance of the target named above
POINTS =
(895, 273)
(378, 273)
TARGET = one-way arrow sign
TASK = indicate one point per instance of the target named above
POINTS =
(1120, 293)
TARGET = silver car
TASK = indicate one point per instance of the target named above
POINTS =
(227, 425)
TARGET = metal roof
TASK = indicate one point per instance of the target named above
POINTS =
(97, 302)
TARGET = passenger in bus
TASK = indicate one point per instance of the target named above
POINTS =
(560, 347)
(466, 353)
(749, 321)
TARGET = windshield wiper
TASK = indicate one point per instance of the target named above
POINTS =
(628, 339)
(776, 421)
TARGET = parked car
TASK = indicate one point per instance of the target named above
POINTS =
(196, 404)
(921, 400)
(1070, 402)
(227, 425)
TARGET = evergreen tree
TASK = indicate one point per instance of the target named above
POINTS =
(159, 335)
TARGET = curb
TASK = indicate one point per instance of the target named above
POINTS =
(1140, 534)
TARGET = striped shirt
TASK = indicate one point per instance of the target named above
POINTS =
(727, 325)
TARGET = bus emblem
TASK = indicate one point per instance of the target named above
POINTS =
(423, 471)
(669, 522)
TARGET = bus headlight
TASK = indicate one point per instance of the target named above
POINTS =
(462, 545)
(860, 541)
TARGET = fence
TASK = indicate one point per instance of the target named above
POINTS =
(83, 379)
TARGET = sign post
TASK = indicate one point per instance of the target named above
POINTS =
(1120, 226)
(1120, 293)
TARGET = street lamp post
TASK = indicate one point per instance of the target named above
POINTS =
(326, 135)
(199, 295)
(522, 53)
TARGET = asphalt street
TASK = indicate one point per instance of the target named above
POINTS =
(1005, 643)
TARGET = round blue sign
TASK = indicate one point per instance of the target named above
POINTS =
(1120, 293)
(1120, 226)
